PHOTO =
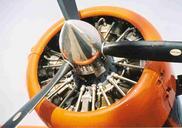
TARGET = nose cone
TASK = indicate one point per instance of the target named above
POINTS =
(80, 42)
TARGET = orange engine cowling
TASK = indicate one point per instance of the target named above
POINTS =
(147, 103)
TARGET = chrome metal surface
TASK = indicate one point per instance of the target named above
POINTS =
(79, 41)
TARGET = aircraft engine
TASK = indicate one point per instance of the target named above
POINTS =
(110, 91)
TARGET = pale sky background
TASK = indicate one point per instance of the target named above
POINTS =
(23, 22)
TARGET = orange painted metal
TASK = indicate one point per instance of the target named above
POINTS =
(148, 103)
(31, 127)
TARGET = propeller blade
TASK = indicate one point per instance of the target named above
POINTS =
(170, 51)
(69, 9)
(22, 112)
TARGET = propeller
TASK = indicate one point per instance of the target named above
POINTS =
(170, 51)
(69, 9)
(30, 105)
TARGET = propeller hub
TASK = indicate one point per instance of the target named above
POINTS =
(80, 42)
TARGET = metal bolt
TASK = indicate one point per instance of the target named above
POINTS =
(104, 94)
(82, 89)
(116, 86)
